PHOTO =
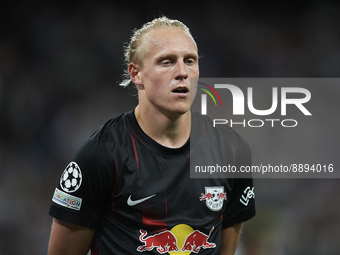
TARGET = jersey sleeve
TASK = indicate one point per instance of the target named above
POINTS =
(85, 186)
(241, 204)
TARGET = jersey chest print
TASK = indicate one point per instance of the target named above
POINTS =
(181, 239)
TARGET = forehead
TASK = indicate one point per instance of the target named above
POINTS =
(168, 41)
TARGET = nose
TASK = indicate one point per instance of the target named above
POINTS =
(181, 72)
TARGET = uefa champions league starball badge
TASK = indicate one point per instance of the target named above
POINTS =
(71, 178)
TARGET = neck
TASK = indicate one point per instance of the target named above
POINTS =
(169, 130)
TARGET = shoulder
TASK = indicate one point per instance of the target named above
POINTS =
(220, 131)
(113, 125)
(111, 130)
(99, 145)
(224, 138)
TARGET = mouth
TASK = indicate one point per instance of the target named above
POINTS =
(181, 90)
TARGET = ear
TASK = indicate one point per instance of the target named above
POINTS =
(134, 71)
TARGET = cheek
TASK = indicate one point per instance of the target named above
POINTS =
(195, 72)
(153, 87)
(156, 81)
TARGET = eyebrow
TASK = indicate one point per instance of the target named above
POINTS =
(171, 55)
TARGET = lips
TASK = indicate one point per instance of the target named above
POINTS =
(181, 90)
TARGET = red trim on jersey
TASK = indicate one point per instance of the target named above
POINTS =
(165, 201)
(161, 225)
(115, 180)
(94, 249)
(136, 155)
(205, 131)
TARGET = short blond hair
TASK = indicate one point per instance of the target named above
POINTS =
(133, 52)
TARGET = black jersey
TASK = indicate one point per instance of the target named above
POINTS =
(139, 196)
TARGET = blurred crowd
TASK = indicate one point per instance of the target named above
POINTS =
(59, 68)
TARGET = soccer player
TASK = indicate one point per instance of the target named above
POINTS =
(128, 188)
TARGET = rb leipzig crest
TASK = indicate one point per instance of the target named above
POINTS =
(214, 197)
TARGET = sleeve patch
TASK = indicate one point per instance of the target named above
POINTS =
(71, 178)
(66, 200)
(248, 194)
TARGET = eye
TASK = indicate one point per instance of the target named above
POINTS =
(190, 61)
(166, 62)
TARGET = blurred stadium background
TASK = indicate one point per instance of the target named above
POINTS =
(59, 67)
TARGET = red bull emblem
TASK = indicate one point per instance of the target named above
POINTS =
(197, 240)
(214, 197)
(167, 242)
(164, 242)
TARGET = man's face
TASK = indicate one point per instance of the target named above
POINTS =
(170, 60)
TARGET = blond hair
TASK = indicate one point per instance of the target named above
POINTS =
(134, 53)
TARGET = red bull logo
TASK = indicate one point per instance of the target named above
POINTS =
(214, 197)
(206, 196)
(163, 242)
(197, 240)
(222, 196)
(181, 239)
